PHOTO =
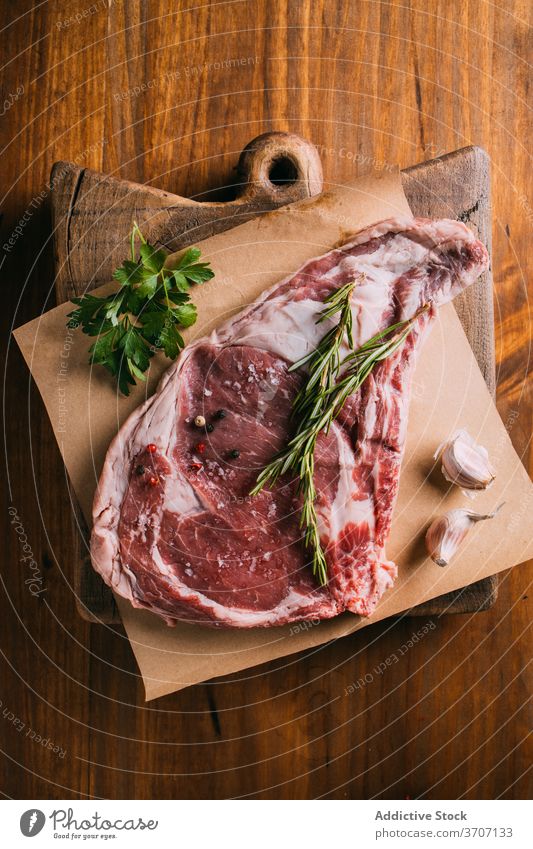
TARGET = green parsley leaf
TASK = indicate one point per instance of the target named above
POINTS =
(144, 314)
(170, 339)
(186, 315)
(198, 273)
(190, 256)
(148, 286)
(128, 273)
(179, 281)
(153, 323)
(152, 259)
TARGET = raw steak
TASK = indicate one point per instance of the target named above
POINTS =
(175, 530)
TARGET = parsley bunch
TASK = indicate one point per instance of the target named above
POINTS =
(144, 315)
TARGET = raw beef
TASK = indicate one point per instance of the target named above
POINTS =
(175, 530)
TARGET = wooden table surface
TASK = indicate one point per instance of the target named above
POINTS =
(133, 89)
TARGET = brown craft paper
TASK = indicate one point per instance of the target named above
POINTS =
(448, 392)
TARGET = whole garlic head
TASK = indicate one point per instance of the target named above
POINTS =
(446, 533)
(464, 462)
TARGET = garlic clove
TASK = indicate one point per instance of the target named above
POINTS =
(446, 533)
(465, 463)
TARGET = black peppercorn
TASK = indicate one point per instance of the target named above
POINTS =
(140, 470)
(234, 453)
(220, 414)
(209, 428)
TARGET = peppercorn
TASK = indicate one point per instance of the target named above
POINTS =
(153, 481)
(234, 453)
(209, 428)
(140, 470)
(151, 448)
(199, 421)
(220, 414)
(200, 448)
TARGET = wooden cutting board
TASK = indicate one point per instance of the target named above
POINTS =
(92, 218)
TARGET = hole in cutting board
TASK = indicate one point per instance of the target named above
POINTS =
(282, 171)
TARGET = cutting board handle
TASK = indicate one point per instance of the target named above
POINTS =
(93, 213)
(279, 167)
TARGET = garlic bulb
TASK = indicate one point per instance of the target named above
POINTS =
(447, 532)
(464, 462)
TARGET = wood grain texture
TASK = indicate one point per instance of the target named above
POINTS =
(91, 219)
(367, 82)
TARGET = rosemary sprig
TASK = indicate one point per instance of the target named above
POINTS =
(320, 401)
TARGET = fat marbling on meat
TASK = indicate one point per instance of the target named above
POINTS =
(175, 530)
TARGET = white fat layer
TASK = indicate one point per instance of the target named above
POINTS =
(246, 618)
(370, 413)
(164, 568)
(384, 264)
(380, 269)
(283, 327)
(160, 419)
(345, 509)
(289, 329)
(180, 496)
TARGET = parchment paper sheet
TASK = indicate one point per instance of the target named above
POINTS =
(448, 392)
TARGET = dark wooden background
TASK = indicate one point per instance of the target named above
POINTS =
(146, 93)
